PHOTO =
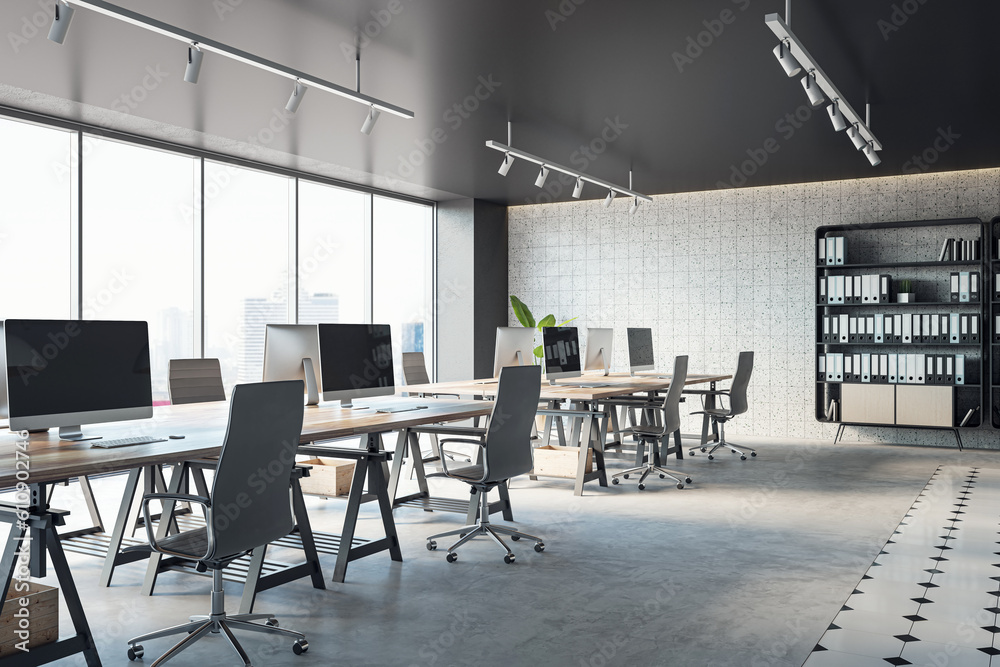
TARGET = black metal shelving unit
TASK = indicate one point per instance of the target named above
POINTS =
(934, 276)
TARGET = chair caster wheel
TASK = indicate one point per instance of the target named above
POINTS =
(271, 622)
(452, 557)
(539, 547)
(135, 652)
(753, 453)
(431, 545)
(515, 537)
(300, 646)
(711, 458)
(691, 453)
(625, 476)
(679, 485)
(687, 480)
(642, 486)
(662, 476)
(743, 458)
(614, 480)
(509, 558)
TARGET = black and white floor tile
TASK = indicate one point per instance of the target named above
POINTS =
(932, 596)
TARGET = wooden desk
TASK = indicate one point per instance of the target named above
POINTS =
(203, 425)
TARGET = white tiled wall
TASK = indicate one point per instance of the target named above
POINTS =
(714, 273)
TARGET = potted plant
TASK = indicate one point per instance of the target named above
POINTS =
(526, 319)
(906, 292)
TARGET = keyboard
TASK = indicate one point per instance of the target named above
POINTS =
(589, 385)
(401, 409)
(125, 442)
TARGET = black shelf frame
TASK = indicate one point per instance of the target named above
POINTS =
(988, 388)
(989, 327)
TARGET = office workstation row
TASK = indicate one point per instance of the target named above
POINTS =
(67, 374)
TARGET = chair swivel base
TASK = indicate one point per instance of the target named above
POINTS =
(644, 472)
(484, 527)
(731, 448)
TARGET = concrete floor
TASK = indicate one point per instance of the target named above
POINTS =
(746, 566)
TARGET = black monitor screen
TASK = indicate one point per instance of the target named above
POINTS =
(355, 358)
(562, 350)
(72, 366)
(640, 347)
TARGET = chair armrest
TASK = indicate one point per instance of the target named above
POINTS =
(464, 441)
(184, 498)
(450, 430)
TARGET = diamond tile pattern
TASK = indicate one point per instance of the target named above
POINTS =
(953, 621)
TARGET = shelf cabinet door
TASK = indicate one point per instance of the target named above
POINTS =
(868, 403)
(920, 405)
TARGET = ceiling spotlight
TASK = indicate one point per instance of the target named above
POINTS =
(543, 173)
(193, 71)
(635, 207)
(296, 99)
(369, 125)
(783, 53)
(813, 92)
(855, 136)
(578, 188)
(836, 117)
(508, 160)
(869, 151)
(610, 198)
(60, 24)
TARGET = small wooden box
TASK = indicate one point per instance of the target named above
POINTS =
(328, 477)
(43, 616)
(555, 461)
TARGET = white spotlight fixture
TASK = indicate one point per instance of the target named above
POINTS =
(193, 70)
(508, 160)
(854, 134)
(635, 207)
(610, 198)
(784, 55)
(836, 117)
(369, 125)
(61, 21)
(578, 188)
(813, 92)
(543, 173)
(296, 99)
(869, 151)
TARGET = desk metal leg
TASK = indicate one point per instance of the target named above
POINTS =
(70, 595)
(581, 465)
(121, 523)
(397, 463)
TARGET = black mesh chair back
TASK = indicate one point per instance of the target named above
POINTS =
(672, 401)
(508, 437)
(414, 368)
(738, 390)
(251, 504)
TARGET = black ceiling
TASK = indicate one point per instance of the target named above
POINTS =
(564, 70)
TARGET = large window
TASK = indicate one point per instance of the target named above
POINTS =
(138, 246)
(333, 260)
(37, 219)
(402, 276)
(247, 221)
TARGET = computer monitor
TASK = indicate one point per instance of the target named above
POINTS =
(355, 362)
(291, 352)
(67, 373)
(561, 346)
(515, 347)
(640, 350)
(598, 355)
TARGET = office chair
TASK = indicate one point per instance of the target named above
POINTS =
(414, 373)
(737, 394)
(194, 381)
(506, 453)
(243, 512)
(655, 433)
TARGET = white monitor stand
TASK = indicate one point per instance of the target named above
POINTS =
(312, 387)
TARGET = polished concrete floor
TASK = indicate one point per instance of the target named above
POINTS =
(746, 566)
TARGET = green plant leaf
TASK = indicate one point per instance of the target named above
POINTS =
(568, 321)
(547, 321)
(538, 351)
(521, 312)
